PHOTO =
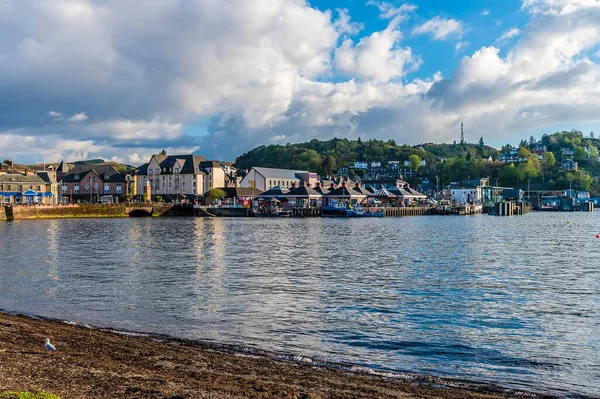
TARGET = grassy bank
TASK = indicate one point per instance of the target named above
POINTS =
(101, 364)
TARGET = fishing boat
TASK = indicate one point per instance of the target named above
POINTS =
(334, 209)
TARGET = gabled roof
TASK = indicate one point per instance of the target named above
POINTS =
(270, 173)
(106, 172)
(62, 167)
(15, 178)
(241, 191)
(304, 191)
(277, 191)
(384, 193)
(48, 177)
(141, 170)
(191, 163)
(345, 192)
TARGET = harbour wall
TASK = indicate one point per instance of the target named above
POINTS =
(24, 212)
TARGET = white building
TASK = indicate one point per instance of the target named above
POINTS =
(266, 178)
(185, 175)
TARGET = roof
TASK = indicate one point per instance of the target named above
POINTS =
(304, 191)
(10, 178)
(107, 172)
(270, 173)
(277, 191)
(346, 192)
(141, 170)
(241, 192)
(62, 167)
(384, 193)
(48, 177)
(191, 163)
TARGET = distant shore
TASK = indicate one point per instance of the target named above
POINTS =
(93, 363)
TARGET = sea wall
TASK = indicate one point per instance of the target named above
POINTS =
(21, 212)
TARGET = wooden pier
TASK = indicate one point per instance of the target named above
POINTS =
(406, 211)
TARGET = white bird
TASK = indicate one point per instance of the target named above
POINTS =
(49, 346)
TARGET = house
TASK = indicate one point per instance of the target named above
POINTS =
(28, 188)
(568, 164)
(266, 178)
(567, 151)
(91, 182)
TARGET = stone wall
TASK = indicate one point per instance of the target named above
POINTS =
(78, 211)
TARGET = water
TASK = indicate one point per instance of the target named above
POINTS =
(513, 301)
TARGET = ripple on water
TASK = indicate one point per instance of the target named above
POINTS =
(511, 301)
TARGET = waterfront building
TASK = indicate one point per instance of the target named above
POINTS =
(93, 183)
(29, 188)
(181, 176)
(267, 178)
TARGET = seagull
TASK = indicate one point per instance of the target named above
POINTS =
(49, 346)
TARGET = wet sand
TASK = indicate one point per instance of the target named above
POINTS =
(92, 363)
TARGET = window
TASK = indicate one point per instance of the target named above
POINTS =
(106, 188)
(39, 188)
(76, 177)
(118, 188)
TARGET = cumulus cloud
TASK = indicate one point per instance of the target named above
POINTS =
(389, 10)
(440, 28)
(80, 117)
(376, 57)
(219, 78)
(507, 35)
(485, 12)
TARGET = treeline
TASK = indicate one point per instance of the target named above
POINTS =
(446, 163)
(326, 157)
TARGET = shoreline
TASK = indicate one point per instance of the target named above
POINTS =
(106, 363)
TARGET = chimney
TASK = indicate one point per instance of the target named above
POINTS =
(26, 172)
(343, 184)
(308, 185)
(396, 184)
(357, 184)
(303, 183)
(293, 184)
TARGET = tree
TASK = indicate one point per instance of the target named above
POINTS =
(549, 159)
(329, 164)
(592, 134)
(145, 197)
(128, 197)
(215, 194)
(524, 153)
(580, 154)
(159, 198)
(481, 143)
(415, 161)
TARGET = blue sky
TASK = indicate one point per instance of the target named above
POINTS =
(105, 78)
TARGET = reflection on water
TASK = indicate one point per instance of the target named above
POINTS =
(513, 301)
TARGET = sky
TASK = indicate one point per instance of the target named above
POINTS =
(121, 79)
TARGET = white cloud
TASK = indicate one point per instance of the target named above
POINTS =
(440, 28)
(80, 117)
(460, 46)
(56, 115)
(389, 11)
(376, 57)
(507, 35)
(485, 12)
(220, 78)
(344, 25)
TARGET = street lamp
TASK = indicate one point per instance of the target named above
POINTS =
(528, 189)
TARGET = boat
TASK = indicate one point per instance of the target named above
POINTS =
(360, 212)
(280, 213)
(334, 209)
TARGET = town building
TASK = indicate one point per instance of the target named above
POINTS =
(29, 188)
(181, 176)
(568, 164)
(267, 178)
(93, 183)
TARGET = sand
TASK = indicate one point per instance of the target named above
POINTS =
(93, 363)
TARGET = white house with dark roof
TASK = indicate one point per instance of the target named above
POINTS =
(186, 175)
(266, 178)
